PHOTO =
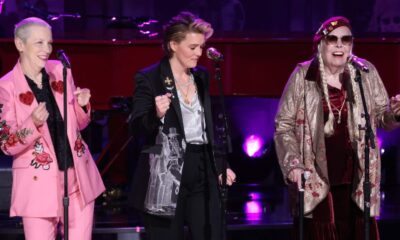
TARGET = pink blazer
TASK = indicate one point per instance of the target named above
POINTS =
(36, 188)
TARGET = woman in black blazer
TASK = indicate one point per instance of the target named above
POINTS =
(176, 178)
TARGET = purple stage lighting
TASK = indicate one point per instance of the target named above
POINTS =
(255, 196)
(253, 146)
(380, 144)
(253, 211)
(253, 207)
(380, 141)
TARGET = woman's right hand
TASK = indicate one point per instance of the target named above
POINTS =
(162, 104)
(40, 114)
(295, 176)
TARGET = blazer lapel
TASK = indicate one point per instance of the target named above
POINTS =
(200, 86)
(168, 84)
(22, 90)
(58, 93)
(204, 98)
(22, 87)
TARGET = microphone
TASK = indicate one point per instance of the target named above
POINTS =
(63, 58)
(358, 63)
(214, 55)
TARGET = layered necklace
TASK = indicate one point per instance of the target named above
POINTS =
(186, 86)
(339, 110)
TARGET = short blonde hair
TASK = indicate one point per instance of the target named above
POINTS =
(183, 23)
(21, 29)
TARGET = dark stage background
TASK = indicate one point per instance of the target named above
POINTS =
(243, 18)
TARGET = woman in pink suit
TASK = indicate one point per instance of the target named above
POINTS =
(31, 123)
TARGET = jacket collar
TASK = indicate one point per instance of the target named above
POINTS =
(168, 82)
(313, 73)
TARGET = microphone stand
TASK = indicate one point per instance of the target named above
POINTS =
(369, 140)
(66, 197)
(226, 148)
(301, 208)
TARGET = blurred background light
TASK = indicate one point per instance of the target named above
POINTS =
(253, 146)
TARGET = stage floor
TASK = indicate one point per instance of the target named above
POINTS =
(254, 212)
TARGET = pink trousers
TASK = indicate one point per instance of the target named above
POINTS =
(80, 216)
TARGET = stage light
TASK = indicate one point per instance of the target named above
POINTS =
(253, 211)
(380, 141)
(253, 146)
(380, 144)
(255, 196)
(253, 207)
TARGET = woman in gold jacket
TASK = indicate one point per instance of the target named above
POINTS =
(317, 134)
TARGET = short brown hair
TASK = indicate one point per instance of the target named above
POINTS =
(183, 23)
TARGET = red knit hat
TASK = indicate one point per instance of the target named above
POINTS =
(328, 26)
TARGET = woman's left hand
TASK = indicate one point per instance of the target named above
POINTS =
(83, 96)
(395, 105)
(230, 177)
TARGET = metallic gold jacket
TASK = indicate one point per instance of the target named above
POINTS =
(299, 132)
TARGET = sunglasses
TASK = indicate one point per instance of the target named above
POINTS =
(346, 40)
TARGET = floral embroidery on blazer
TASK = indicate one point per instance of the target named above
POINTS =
(8, 139)
(79, 146)
(41, 158)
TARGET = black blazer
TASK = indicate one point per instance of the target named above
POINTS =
(154, 135)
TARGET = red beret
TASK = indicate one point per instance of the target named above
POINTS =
(328, 26)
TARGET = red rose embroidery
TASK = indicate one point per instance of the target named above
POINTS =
(58, 86)
(8, 139)
(41, 159)
(12, 140)
(79, 146)
(26, 98)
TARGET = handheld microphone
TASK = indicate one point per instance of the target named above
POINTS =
(63, 58)
(214, 55)
(358, 64)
